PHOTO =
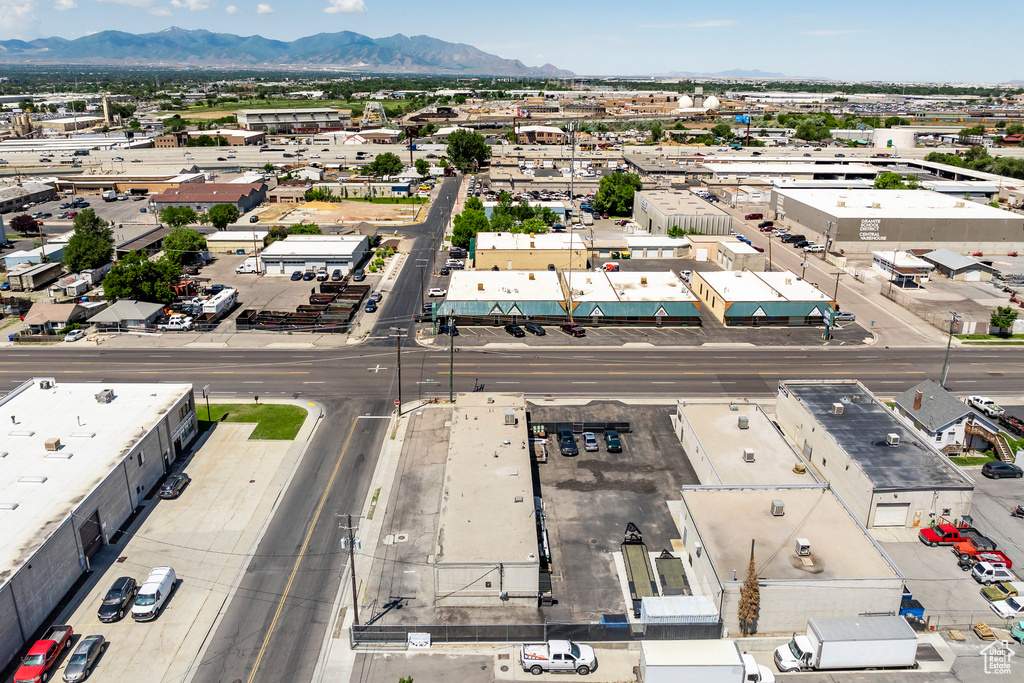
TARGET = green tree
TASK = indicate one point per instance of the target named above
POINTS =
(423, 167)
(183, 244)
(475, 204)
(137, 278)
(91, 246)
(615, 193)
(222, 215)
(305, 229)
(750, 598)
(534, 226)
(657, 131)
(466, 147)
(466, 225)
(1003, 318)
(890, 181)
(1014, 128)
(178, 216)
(386, 164)
(891, 121)
(174, 124)
(722, 130)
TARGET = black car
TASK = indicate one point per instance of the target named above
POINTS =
(534, 328)
(515, 330)
(444, 328)
(428, 307)
(800, 244)
(308, 275)
(214, 289)
(445, 271)
(174, 485)
(567, 442)
(612, 442)
(998, 470)
(297, 275)
(766, 224)
(118, 600)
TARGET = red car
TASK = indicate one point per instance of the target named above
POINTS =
(573, 329)
(753, 216)
(43, 655)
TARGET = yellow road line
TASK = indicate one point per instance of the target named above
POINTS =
(302, 552)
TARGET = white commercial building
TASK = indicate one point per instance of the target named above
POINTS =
(75, 462)
(299, 253)
(744, 297)
(486, 553)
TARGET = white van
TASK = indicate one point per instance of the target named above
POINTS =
(153, 594)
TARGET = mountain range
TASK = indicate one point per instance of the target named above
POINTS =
(199, 48)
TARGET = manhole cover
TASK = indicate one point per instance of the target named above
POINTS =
(504, 667)
(252, 481)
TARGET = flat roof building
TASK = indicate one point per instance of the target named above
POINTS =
(740, 256)
(803, 170)
(486, 553)
(958, 266)
(13, 197)
(885, 471)
(752, 298)
(657, 246)
(292, 120)
(630, 297)
(77, 461)
(486, 296)
(204, 196)
(231, 241)
(903, 268)
(524, 251)
(813, 558)
(311, 252)
(737, 443)
(856, 220)
(656, 211)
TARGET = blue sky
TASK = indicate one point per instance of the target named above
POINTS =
(867, 40)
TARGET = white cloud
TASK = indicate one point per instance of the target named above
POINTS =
(264, 8)
(62, 5)
(712, 23)
(148, 5)
(346, 7)
(831, 32)
(191, 5)
(16, 14)
(231, 9)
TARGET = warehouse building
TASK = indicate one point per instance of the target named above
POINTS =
(753, 298)
(740, 256)
(656, 211)
(204, 196)
(43, 254)
(740, 170)
(285, 121)
(813, 558)
(857, 220)
(486, 553)
(69, 124)
(885, 471)
(528, 251)
(630, 298)
(13, 197)
(736, 444)
(657, 246)
(311, 252)
(77, 461)
(483, 297)
(233, 241)
(957, 266)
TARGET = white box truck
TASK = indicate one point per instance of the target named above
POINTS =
(109, 196)
(699, 661)
(850, 643)
(249, 265)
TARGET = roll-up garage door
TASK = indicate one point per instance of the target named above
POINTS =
(891, 514)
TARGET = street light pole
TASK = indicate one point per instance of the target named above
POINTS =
(953, 319)
(397, 334)
(350, 528)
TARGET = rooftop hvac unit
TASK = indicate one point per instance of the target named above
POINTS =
(876, 205)
(803, 547)
(105, 396)
(837, 408)
(959, 205)
(53, 444)
(643, 280)
(841, 202)
(800, 468)
(531, 276)
(748, 455)
(490, 398)
(510, 416)
(892, 440)
(778, 508)
(744, 422)
(45, 384)
(479, 286)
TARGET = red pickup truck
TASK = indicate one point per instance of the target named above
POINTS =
(968, 555)
(947, 534)
(43, 655)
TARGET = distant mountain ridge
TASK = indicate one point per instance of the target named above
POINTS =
(345, 50)
(732, 73)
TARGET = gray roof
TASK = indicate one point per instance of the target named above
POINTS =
(861, 432)
(864, 628)
(953, 261)
(127, 310)
(938, 407)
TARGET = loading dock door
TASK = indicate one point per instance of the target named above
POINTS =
(91, 534)
(891, 514)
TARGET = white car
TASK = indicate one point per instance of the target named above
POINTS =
(436, 291)
(814, 248)
(1011, 608)
(985, 405)
(74, 335)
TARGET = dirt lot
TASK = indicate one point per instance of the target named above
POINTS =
(327, 213)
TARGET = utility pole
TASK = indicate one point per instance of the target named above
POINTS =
(351, 543)
(451, 358)
(953, 319)
(397, 333)
(769, 252)
(835, 295)
(422, 264)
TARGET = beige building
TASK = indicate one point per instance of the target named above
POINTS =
(524, 251)
(881, 467)
(486, 552)
(756, 298)
(840, 572)
(71, 123)
(657, 211)
(232, 241)
(740, 256)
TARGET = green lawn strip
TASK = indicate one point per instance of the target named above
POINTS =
(968, 461)
(273, 421)
(994, 343)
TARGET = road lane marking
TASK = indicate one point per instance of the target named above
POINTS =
(302, 552)
(314, 382)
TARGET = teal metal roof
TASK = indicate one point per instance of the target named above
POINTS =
(637, 309)
(777, 309)
(482, 308)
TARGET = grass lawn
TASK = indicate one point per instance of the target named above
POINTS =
(279, 422)
(968, 461)
(995, 343)
(392, 200)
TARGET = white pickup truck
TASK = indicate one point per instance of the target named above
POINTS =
(985, 405)
(557, 656)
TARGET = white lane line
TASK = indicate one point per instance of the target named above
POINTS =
(900, 382)
(584, 382)
(495, 382)
(716, 382)
(252, 382)
(314, 382)
(374, 417)
(966, 381)
(662, 382)
(160, 355)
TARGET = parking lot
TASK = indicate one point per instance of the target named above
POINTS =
(205, 535)
(125, 217)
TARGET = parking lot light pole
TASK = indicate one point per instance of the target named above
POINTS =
(954, 318)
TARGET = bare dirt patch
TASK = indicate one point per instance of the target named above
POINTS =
(347, 212)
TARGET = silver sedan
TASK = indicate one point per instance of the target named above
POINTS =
(84, 658)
